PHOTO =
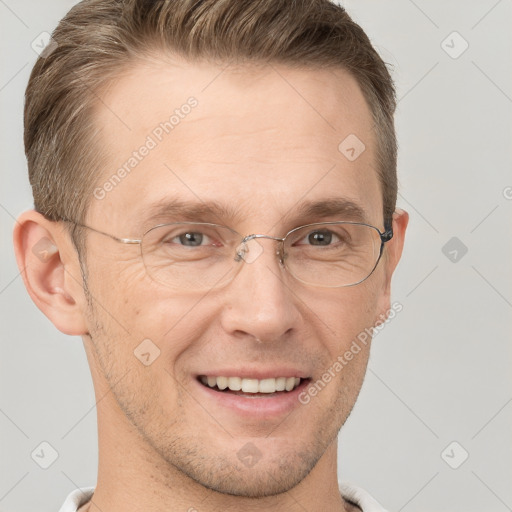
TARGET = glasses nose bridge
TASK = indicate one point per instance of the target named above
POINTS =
(251, 237)
(241, 249)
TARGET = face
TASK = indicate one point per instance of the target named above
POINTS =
(259, 142)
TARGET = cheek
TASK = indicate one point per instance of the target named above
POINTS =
(170, 320)
(139, 333)
(111, 273)
(121, 284)
(341, 314)
(120, 296)
(346, 318)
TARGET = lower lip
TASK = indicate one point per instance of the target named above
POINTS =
(261, 405)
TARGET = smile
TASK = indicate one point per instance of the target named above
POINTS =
(255, 394)
(242, 386)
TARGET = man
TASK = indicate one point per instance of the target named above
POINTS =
(214, 187)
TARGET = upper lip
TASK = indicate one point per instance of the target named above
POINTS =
(255, 373)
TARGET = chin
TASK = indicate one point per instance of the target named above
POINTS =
(242, 469)
(265, 479)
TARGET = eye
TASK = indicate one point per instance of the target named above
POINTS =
(320, 237)
(190, 239)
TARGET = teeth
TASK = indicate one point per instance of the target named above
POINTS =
(290, 383)
(280, 383)
(270, 385)
(267, 386)
(235, 383)
(250, 385)
(222, 382)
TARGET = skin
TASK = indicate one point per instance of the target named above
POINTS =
(256, 143)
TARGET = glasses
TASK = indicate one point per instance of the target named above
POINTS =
(200, 255)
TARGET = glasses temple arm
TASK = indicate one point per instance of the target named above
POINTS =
(121, 240)
(388, 230)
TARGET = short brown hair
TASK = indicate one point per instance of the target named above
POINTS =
(97, 39)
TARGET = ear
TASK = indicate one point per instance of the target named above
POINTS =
(50, 268)
(391, 257)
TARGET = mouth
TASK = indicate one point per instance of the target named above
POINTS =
(252, 387)
(251, 398)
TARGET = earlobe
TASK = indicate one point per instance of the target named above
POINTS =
(50, 270)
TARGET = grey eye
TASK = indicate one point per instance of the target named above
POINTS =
(320, 237)
(190, 239)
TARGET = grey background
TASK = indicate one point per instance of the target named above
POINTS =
(439, 372)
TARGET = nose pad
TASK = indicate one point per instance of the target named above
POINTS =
(249, 250)
(282, 255)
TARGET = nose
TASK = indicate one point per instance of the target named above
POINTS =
(259, 302)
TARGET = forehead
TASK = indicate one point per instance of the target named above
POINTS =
(258, 139)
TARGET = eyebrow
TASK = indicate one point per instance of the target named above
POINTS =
(212, 211)
(206, 211)
(341, 208)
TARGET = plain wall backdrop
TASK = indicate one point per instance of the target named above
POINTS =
(431, 429)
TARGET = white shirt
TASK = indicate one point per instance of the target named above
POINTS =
(350, 492)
